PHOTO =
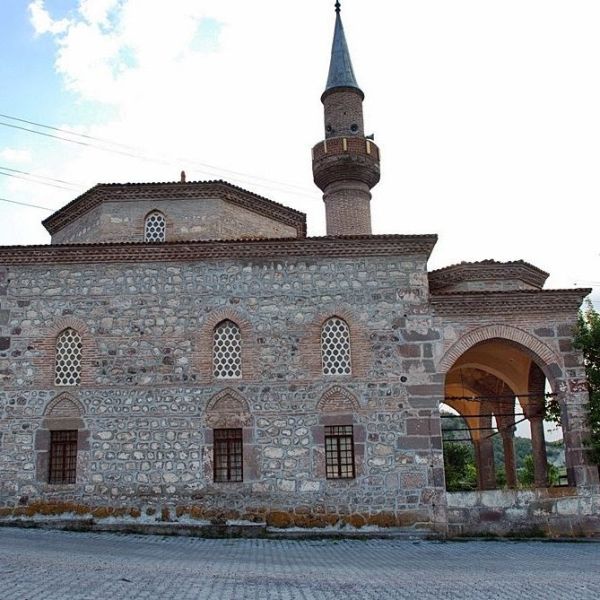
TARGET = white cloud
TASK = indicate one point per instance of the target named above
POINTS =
(96, 12)
(42, 21)
(15, 156)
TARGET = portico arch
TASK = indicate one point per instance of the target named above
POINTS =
(544, 356)
(496, 365)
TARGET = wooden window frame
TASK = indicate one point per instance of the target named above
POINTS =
(62, 464)
(228, 446)
(339, 452)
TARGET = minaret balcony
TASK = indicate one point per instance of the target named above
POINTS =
(346, 145)
(346, 158)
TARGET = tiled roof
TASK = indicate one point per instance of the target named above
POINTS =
(488, 270)
(175, 190)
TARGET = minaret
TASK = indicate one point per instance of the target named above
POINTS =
(346, 163)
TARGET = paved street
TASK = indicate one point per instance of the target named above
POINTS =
(59, 565)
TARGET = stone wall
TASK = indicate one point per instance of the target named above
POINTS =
(148, 401)
(553, 512)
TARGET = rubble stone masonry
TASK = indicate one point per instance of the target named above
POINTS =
(148, 402)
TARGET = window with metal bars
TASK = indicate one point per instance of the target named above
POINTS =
(228, 461)
(339, 452)
(63, 457)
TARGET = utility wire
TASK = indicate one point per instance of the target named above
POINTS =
(54, 185)
(64, 139)
(139, 157)
(27, 204)
(134, 153)
(83, 135)
(77, 185)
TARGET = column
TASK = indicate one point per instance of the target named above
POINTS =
(486, 467)
(538, 442)
(510, 465)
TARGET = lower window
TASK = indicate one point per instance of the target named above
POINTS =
(339, 452)
(63, 457)
(227, 445)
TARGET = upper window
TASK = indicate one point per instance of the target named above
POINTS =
(335, 347)
(63, 457)
(156, 227)
(68, 358)
(227, 351)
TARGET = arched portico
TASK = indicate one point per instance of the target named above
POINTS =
(497, 365)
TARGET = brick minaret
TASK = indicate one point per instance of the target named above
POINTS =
(346, 163)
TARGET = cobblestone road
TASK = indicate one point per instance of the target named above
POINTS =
(52, 565)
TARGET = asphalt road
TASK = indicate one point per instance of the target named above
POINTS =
(52, 565)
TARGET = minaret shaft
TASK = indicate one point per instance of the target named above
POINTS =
(346, 163)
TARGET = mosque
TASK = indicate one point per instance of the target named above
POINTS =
(185, 352)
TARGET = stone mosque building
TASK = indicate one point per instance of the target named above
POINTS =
(184, 352)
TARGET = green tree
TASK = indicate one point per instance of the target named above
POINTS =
(587, 339)
(527, 477)
(459, 464)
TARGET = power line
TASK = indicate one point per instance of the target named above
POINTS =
(137, 156)
(26, 204)
(78, 185)
(54, 185)
(133, 152)
(64, 139)
(83, 135)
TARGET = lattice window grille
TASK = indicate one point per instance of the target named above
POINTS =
(68, 358)
(155, 228)
(227, 351)
(335, 347)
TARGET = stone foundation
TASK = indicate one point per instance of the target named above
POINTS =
(543, 512)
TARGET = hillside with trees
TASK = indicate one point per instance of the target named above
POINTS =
(459, 457)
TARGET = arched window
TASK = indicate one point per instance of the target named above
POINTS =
(155, 228)
(335, 347)
(227, 351)
(68, 358)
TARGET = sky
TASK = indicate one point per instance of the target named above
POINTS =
(486, 113)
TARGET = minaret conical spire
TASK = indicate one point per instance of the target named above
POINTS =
(346, 163)
(341, 73)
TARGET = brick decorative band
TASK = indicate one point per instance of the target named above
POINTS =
(509, 303)
(331, 247)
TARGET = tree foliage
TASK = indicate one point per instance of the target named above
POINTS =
(459, 458)
(526, 475)
(587, 339)
(459, 465)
